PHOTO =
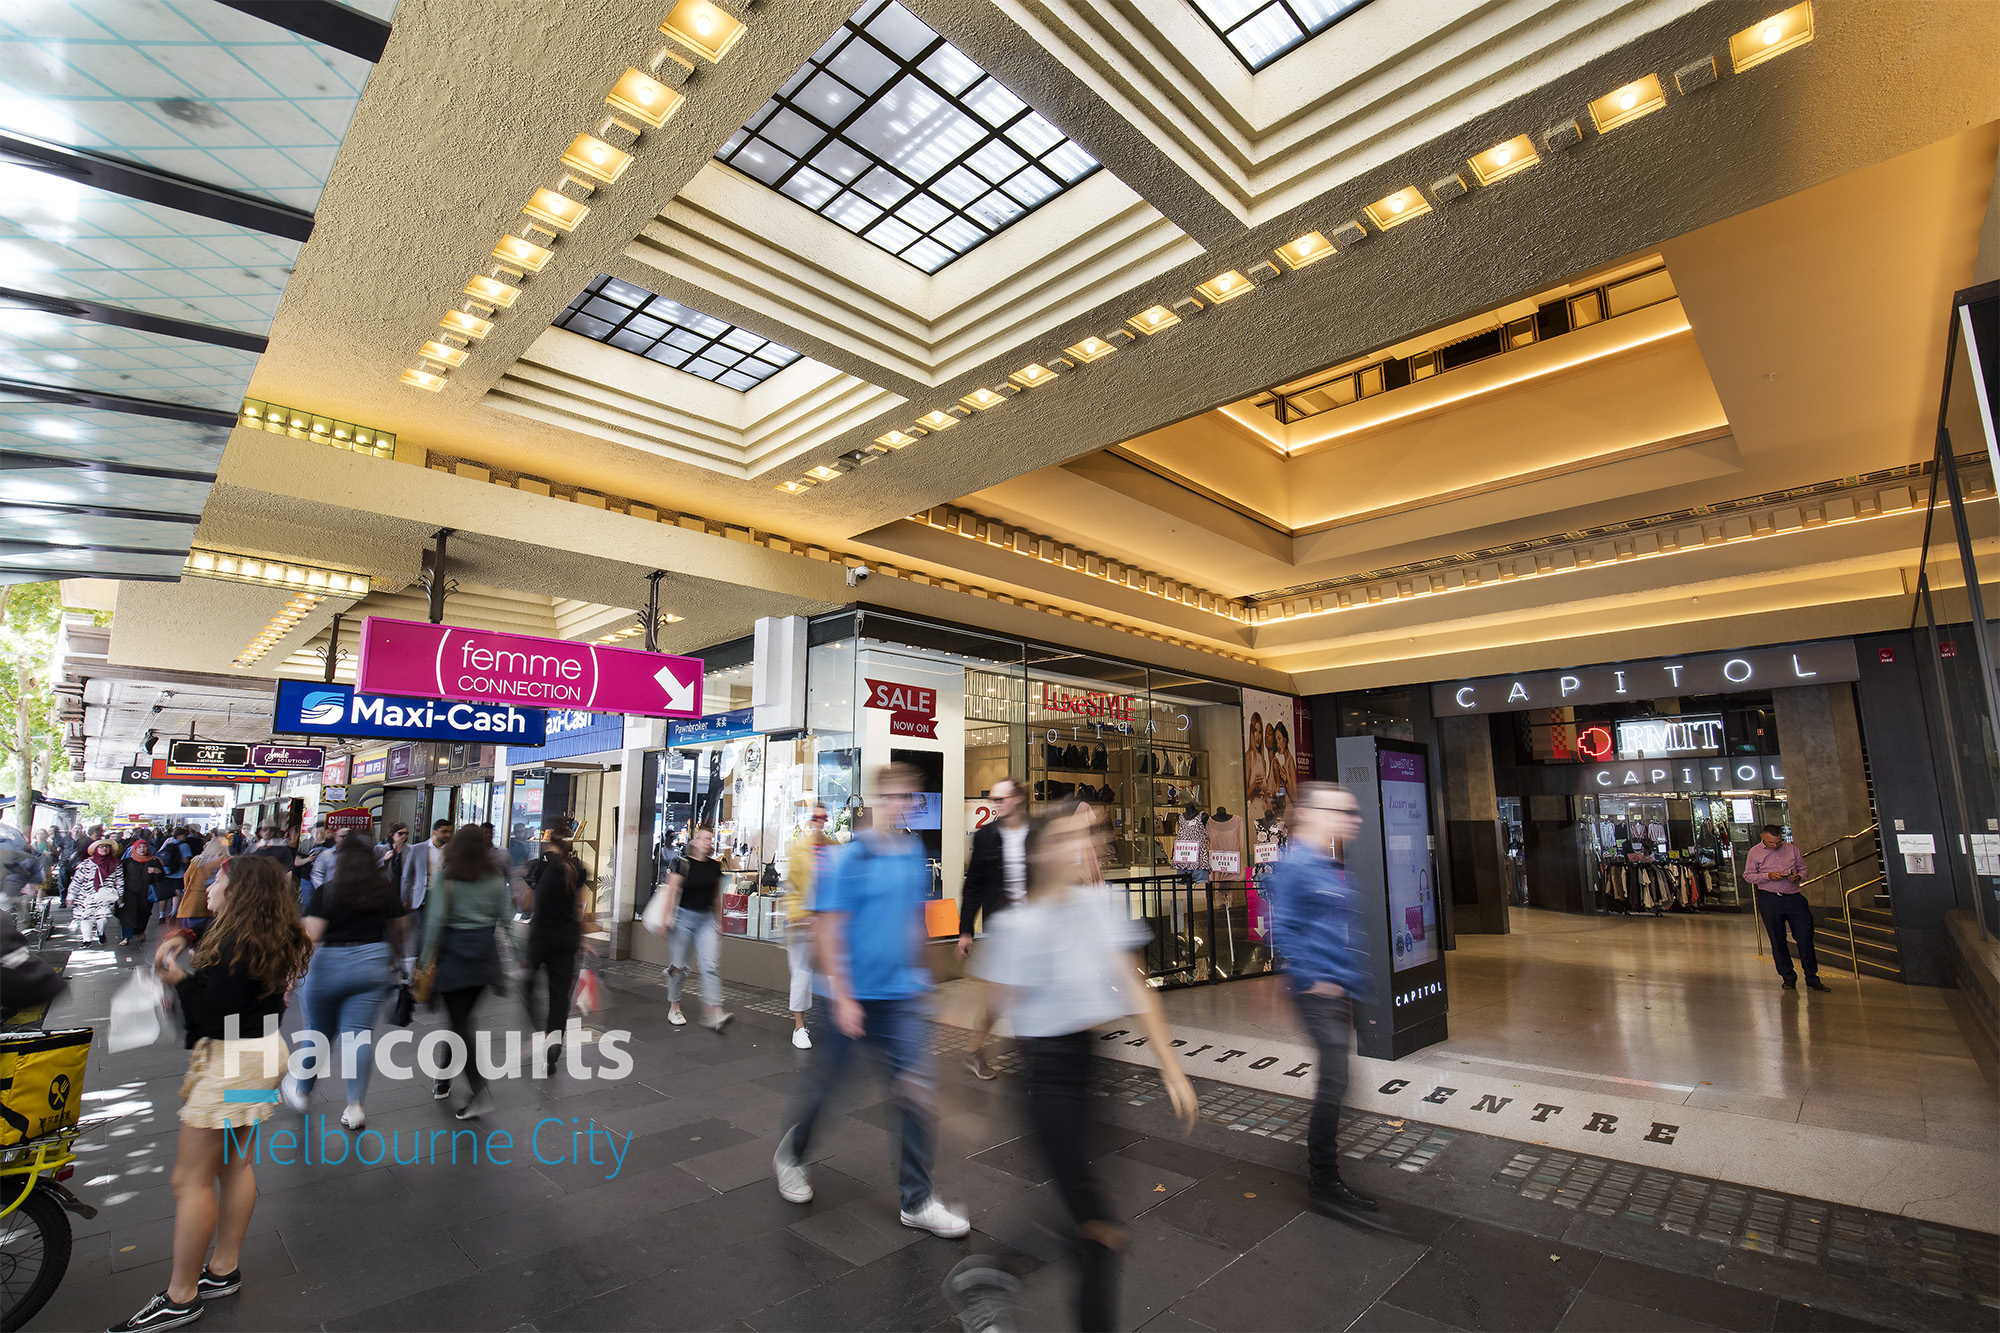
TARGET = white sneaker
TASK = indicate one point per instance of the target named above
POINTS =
(294, 1095)
(354, 1119)
(677, 1018)
(801, 1039)
(937, 1219)
(793, 1185)
(717, 1023)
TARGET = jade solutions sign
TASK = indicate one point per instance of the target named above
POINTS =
(1663, 678)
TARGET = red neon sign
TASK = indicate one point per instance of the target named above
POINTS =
(1595, 743)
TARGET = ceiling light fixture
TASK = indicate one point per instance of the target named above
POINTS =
(522, 253)
(445, 352)
(822, 472)
(1033, 377)
(471, 326)
(937, 421)
(557, 210)
(644, 98)
(793, 487)
(1225, 287)
(1394, 210)
(1622, 106)
(1090, 349)
(1504, 159)
(1782, 32)
(984, 400)
(703, 28)
(1307, 249)
(896, 439)
(1154, 319)
(595, 158)
(493, 292)
(422, 379)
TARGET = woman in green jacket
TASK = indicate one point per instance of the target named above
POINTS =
(462, 912)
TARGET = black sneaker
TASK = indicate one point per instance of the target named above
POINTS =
(440, 1089)
(983, 1295)
(1791, 983)
(160, 1312)
(1814, 983)
(212, 1284)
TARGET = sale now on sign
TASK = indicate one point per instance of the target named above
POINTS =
(408, 657)
(912, 709)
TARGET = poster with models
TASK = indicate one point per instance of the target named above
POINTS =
(1406, 842)
(1270, 772)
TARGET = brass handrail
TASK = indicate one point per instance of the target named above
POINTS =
(1847, 910)
(1875, 855)
(1845, 837)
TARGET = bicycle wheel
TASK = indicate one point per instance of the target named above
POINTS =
(34, 1255)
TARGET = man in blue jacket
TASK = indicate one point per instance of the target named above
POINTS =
(1317, 928)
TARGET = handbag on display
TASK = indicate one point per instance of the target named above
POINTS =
(1099, 760)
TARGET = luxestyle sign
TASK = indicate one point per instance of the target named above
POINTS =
(1709, 673)
(408, 657)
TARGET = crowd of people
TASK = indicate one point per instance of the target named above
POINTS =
(356, 932)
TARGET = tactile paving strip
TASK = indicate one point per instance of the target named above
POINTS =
(1964, 1265)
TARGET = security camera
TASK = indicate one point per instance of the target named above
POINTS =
(856, 575)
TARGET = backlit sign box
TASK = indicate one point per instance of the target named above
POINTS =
(1668, 677)
(310, 708)
(420, 660)
(1669, 737)
(208, 754)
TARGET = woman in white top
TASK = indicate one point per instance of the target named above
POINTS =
(1065, 961)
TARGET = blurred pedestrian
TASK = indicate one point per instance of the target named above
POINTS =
(868, 927)
(422, 868)
(231, 991)
(560, 915)
(1317, 928)
(356, 919)
(995, 879)
(144, 878)
(694, 898)
(459, 939)
(95, 891)
(194, 912)
(802, 867)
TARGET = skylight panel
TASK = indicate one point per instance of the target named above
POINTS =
(623, 315)
(1259, 31)
(895, 134)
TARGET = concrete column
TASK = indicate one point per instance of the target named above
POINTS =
(629, 852)
(1826, 783)
(1561, 871)
(1475, 842)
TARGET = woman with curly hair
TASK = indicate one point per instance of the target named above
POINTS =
(252, 952)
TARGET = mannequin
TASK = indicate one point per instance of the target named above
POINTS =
(1194, 828)
(1225, 835)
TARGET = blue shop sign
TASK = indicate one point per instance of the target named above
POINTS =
(572, 732)
(715, 727)
(311, 708)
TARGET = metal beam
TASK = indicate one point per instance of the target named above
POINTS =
(13, 462)
(12, 547)
(99, 511)
(133, 319)
(333, 25)
(159, 187)
(111, 402)
(32, 574)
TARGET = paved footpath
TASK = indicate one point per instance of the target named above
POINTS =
(683, 1228)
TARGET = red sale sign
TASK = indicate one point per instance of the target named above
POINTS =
(912, 709)
(414, 659)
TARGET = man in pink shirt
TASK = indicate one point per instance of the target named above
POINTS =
(1774, 869)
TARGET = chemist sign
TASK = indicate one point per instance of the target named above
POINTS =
(1664, 678)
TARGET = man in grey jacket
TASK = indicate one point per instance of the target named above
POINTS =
(420, 867)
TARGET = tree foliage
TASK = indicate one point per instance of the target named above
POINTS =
(31, 738)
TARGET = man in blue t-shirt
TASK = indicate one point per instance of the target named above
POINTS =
(868, 935)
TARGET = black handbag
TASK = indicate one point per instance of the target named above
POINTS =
(405, 1007)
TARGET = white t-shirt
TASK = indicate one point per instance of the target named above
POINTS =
(1066, 961)
(1014, 862)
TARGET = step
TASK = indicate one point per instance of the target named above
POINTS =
(1869, 967)
(1827, 943)
(1864, 929)
(1870, 912)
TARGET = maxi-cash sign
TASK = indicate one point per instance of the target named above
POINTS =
(407, 657)
(309, 708)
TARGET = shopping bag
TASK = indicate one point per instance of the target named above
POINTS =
(589, 995)
(656, 917)
(136, 1011)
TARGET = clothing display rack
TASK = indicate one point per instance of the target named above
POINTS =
(1141, 786)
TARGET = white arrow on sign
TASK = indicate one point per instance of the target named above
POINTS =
(679, 696)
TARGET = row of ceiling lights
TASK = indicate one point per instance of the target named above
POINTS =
(638, 628)
(280, 627)
(648, 97)
(1773, 36)
(322, 430)
(274, 573)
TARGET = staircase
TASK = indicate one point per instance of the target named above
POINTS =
(1874, 952)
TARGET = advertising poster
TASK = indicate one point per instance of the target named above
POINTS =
(1270, 768)
(1406, 829)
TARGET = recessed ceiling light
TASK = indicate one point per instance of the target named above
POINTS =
(472, 326)
(793, 487)
(1622, 106)
(1395, 209)
(896, 439)
(1154, 319)
(1776, 35)
(823, 472)
(644, 98)
(703, 28)
(1307, 249)
(1225, 287)
(937, 421)
(492, 291)
(1032, 377)
(422, 379)
(558, 210)
(1504, 159)
(595, 158)
(985, 400)
(436, 351)
(522, 253)
(1090, 349)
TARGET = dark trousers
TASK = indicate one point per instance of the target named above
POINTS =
(458, 1005)
(553, 951)
(1777, 909)
(1329, 1021)
(1058, 1103)
(896, 1031)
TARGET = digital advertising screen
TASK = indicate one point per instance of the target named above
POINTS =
(1406, 829)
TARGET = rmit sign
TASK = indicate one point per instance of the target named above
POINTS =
(1669, 737)
(1666, 678)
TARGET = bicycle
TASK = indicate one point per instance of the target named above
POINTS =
(41, 1078)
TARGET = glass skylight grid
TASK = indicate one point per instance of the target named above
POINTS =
(1259, 31)
(630, 317)
(895, 134)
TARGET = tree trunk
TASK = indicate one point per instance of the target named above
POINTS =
(24, 759)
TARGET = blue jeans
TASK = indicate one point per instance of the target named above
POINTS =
(895, 1031)
(345, 988)
(696, 933)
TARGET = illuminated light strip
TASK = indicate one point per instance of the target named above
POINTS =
(275, 573)
(302, 425)
(279, 629)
